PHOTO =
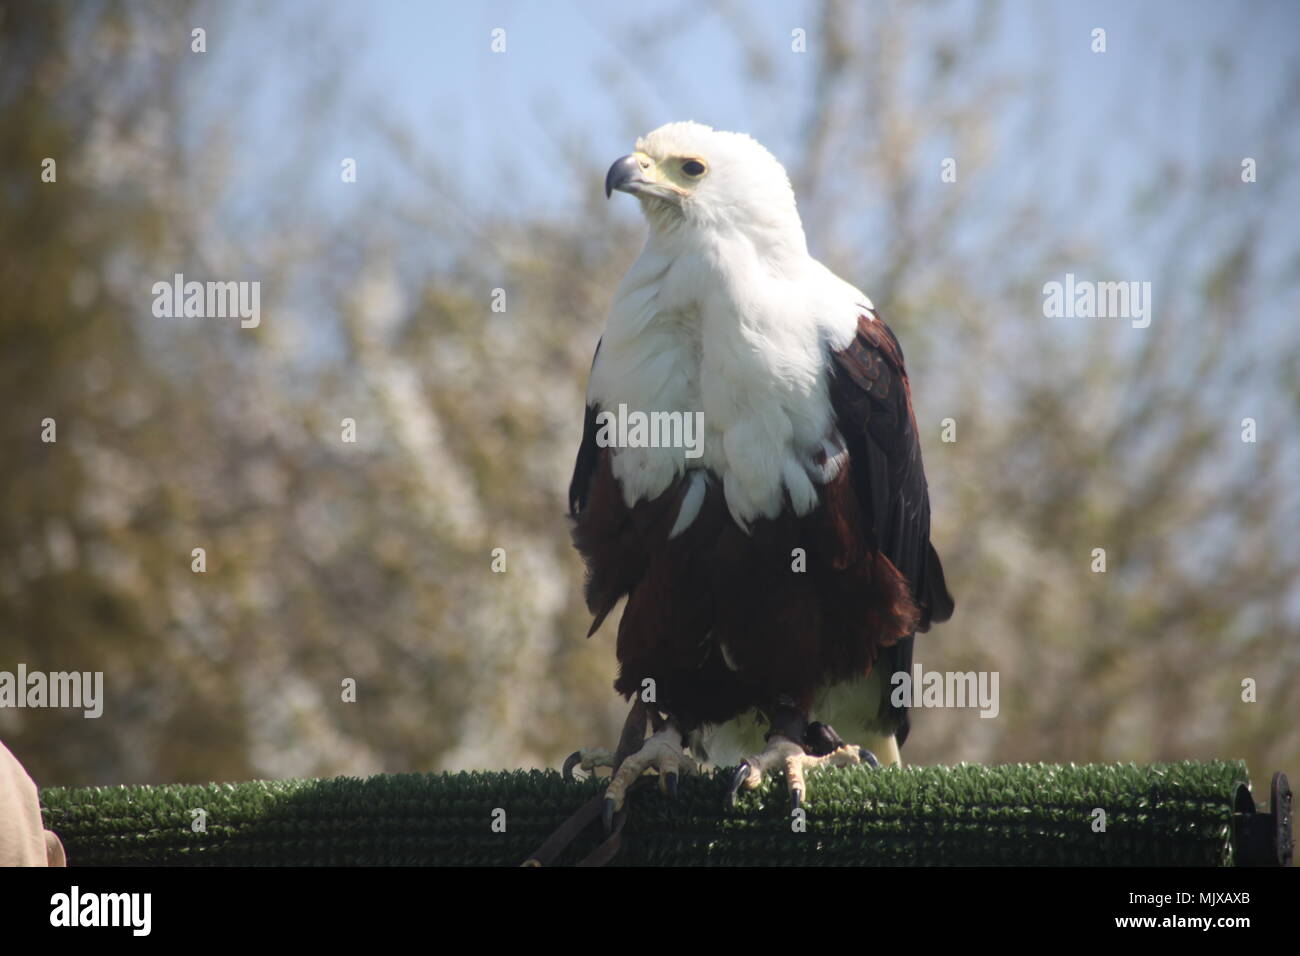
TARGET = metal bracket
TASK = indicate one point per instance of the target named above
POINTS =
(1265, 839)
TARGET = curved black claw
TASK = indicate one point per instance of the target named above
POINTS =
(796, 800)
(738, 778)
(670, 785)
(607, 815)
(570, 762)
(868, 758)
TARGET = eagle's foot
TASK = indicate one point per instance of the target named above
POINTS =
(782, 753)
(587, 759)
(664, 752)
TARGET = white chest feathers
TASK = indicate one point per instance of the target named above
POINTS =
(728, 377)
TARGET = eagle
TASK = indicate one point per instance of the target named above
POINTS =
(777, 566)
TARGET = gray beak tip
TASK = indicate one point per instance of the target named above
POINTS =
(625, 170)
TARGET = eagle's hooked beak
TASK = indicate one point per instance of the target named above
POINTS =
(626, 175)
(638, 174)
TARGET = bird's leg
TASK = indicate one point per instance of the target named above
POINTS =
(795, 746)
(664, 750)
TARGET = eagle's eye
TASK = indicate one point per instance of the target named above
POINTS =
(693, 168)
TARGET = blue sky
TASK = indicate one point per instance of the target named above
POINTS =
(430, 63)
(496, 122)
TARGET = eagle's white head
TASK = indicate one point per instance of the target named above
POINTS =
(724, 315)
(692, 177)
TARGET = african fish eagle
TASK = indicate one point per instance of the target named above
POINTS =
(776, 576)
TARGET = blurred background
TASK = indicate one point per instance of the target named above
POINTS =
(481, 169)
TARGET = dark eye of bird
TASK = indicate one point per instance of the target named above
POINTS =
(693, 167)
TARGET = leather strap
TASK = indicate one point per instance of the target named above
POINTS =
(629, 741)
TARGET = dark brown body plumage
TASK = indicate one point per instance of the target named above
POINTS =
(871, 578)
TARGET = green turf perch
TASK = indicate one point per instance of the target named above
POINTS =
(1182, 814)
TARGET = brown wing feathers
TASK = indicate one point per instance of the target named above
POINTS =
(873, 407)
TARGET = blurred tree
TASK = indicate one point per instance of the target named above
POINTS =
(372, 560)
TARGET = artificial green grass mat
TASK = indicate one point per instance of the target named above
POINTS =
(1177, 814)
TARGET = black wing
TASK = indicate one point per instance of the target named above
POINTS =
(588, 456)
(873, 411)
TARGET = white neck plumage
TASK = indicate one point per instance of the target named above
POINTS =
(737, 327)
